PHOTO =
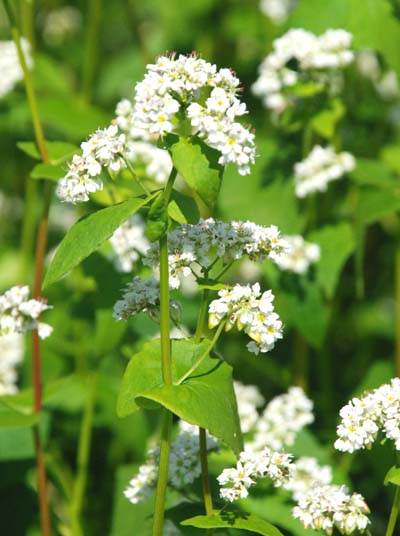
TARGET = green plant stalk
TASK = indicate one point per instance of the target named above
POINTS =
(92, 38)
(394, 513)
(397, 290)
(165, 444)
(205, 479)
(40, 251)
(26, 8)
(85, 437)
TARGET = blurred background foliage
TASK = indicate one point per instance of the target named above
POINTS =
(340, 318)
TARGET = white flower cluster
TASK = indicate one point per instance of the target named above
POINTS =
(312, 54)
(307, 474)
(277, 10)
(19, 314)
(251, 311)
(140, 150)
(248, 399)
(10, 68)
(104, 149)
(61, 24)
(129, 243)
(300, 255)
(283, 418)
(141, 295)
(184, 464)
(329, 507)
(362, 418)
(11, 355)
(201, 244)
(386, 82)
(321, 166)
(250, 467)
(181, 84)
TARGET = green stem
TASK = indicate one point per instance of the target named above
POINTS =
(26, 8)
(161, 493)
(92, 39)
(224, 270)
(394, 513)
(205, 479)
(134, 175)
(85, 437)
(203, 355)
(397, 290)
(208, 504)
(165, 445)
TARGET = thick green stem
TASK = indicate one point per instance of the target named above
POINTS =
(40, 252)
(397, 290)
(205, 479)
(161, 493)
(92, 39)
(165, 445)
(394, 513)
(208, 504)
(83, 457)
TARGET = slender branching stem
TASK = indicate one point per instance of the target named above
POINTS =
(40, 252)
(85, 437)
(92, 39)
(198, 362)
(165, 444)
(394, 513)
(134, 175)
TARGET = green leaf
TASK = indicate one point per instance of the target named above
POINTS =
(58, 151)
(48, 171)
(369, 172)
(157, 219)
(11, 418)
(206, 398)
(233, 520)
(86, 235)
(324, 123)
(307, 312)
(337, 244)
(393, 476)
(183, 209)
(371, 22)
(198, 165)
(374, 204)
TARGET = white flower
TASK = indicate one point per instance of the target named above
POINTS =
(129, 243)
(321, 166)
(176, 84)
(104, 149)
(250, 467)
(363, 418)
(312, 54)
(19, 314)
(277, 10)
(11, 355)
(250, 311)
(306, 475)
(61, 23)
(283, 418)
(142, 295)
(299, 256)
(325, 507)
(201, 244)
(184, 464)
(248, 399)
(10, 68)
